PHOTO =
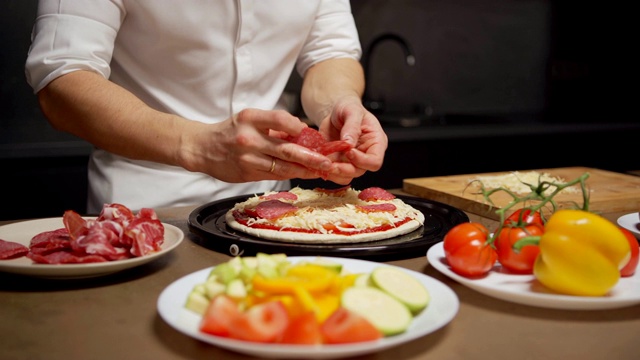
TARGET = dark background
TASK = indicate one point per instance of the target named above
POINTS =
(497, 85)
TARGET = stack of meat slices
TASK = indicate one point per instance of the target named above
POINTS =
(116, 234)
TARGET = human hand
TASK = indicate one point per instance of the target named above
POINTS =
(352, 122)
(251, 146)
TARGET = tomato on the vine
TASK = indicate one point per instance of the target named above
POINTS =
(467, 250)
(520, 262)
(528, 218)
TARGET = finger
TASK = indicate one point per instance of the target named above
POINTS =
(303, 156)
(351, 127)
(287, 170)
(271, 120)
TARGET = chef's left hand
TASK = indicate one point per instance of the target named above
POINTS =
(352, 122)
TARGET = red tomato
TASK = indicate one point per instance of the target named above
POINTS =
(467, 250)
(630, 268)
(527, 218)
(220, 314)
(344, 326)
(520, 262)
(263, 323)
(304, 329)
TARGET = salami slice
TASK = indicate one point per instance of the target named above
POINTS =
(282, 195)
(65, 257)
(273, 209)
(334, 192)
(334, 147)
(375, 193)
(116, 234)
(50, 241)
(309, 138)
(313, 139)
(12, 250)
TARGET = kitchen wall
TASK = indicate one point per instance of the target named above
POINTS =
(497, 64)
(471, 56)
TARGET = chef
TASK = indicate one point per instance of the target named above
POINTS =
(182, 100)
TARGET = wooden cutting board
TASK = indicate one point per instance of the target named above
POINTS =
(610, 192)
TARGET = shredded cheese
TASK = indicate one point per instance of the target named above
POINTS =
(317, 209)
(517, 181)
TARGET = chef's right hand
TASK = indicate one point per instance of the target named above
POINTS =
(250, 146)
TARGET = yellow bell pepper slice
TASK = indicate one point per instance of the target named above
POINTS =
(581, 254)
(312, 278)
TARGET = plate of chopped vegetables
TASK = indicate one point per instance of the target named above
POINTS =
(187, 303)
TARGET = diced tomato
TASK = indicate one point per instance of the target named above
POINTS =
(344, 326)
(264, 323)
(220, 314)
(304, 329)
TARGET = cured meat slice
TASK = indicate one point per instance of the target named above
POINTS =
(334, 192)
(116, 234)
(50, 241)
(146, 236)
(312, 139)
(375, 193)
(334, 147)
(147, 213)
(116, 212)
(75, 224)
(282, 195)
(12, 250)
(273, 209)
(99, 241)
(65, 257)
(309, 138)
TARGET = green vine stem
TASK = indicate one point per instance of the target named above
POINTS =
(533, 201)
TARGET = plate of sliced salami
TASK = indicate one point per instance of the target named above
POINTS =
(16, 237)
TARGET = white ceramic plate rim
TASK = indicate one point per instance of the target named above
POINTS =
(631, 222)
(525, 289)
(22, 232)
(441, 310)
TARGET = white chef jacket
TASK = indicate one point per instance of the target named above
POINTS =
(204, 60)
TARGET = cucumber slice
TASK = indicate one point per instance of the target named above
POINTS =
(213, 289)
(401, 286)
(329, 264)
(386, 313)
(362, 280)
(236, 289)
(197, 302)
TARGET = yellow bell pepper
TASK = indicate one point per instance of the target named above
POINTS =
(312, 278)
(581, 253)
(303, 288)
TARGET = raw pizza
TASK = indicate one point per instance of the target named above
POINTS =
(342, 215)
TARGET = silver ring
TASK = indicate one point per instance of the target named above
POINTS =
(273, 165)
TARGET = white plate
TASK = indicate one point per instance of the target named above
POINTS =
(631, 222)
(22, 232)
(525, 289)
(440, 311)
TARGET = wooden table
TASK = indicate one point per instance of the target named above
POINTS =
(115, 317)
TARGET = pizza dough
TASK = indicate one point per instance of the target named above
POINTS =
(324, 216)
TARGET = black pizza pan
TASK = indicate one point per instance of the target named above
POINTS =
(207, 222)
